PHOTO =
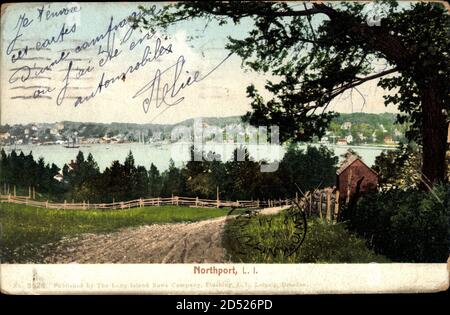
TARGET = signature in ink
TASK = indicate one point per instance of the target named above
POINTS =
(168, 93)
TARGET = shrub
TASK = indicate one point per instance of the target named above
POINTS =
(405, 225)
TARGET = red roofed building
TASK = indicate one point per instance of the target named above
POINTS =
(350, 173)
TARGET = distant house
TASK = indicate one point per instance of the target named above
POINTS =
(346, 125)
(389, 141)
(350, 173)
(59, 177)
(324, 140)
(349, 139)
(342, 141)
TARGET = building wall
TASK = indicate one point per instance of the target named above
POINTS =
(358, 170)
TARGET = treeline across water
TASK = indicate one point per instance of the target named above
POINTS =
(237, 179)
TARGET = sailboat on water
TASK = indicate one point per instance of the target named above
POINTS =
(73, 145)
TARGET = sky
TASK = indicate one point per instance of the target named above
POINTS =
(76, 63)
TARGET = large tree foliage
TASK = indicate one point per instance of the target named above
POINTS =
(317, 51)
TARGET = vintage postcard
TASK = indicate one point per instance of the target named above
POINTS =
(225, 147)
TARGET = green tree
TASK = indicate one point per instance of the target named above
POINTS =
(173, 181)
(142, 184)
(154, 179)
(399, 168)
(322, 50)
(308, 169)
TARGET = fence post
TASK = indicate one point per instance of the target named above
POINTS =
(65, 202)
(34, 192)
(336, 206)
(328, 205)
(320, 205)
(46, 204)
(140, 203)
(14, 190)
(257, 203)
(172, 200)
(159, 201)
(296, 197)
(196, 201)
(177, 200)
(9, 197)
(29, 191)
(84, 205)
(217, 194)
(310, 202)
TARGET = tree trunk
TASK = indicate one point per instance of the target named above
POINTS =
(434, 133)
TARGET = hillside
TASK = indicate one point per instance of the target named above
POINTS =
(362, 127)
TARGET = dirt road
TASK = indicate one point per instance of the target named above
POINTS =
(198, 242)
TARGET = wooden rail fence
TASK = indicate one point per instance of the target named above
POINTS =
(321, 203)
(143, 202)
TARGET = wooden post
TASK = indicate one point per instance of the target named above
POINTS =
(46, 204)
(9, 197)
(29, 191)
(14, 190)
(310, 203)
(217, 195)
(177, 200)
(328, 205)
(4, 188)
(296, 197)
(320, 209)
(320, 204)
(257, 203)
(140, 203)
(196, 201)
(159, 201)
(34, 192)
(336, 206)
(84, 205)
(65, 203)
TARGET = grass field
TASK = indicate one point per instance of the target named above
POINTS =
(25, 229)
(267, 239)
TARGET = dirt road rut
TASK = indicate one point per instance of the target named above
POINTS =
(198, 242)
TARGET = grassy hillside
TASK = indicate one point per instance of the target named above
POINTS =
(25, 229)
